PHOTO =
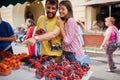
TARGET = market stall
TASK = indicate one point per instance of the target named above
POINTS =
(24, 67)
(22, 74)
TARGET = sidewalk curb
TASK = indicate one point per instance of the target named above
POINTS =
(101, 56)
(104, 61)
(117, 52)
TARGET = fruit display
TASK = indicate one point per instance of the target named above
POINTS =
(39, 72)
(4, 54)
(20, 56)
(10, 62)
(1, 58)
(36, 61)
(45, 67)
(14, 61)
(62, 71)
(4, 69)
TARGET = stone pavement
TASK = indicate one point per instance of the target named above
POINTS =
(101, 56)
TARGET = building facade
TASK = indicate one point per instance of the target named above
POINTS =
(85, 10)
(16, 15)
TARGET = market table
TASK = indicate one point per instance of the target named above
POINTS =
(19, 74)
(22, 74)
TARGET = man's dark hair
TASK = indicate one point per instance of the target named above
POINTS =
(53, 2)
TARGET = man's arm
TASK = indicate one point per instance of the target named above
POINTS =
(43, 37)
(11, 38)
(49, 35)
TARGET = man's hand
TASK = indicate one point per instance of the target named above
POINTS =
(30, 41)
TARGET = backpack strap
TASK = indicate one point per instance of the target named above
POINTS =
(116, 31)
(45, 24)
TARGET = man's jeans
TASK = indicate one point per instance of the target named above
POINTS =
(69, 55)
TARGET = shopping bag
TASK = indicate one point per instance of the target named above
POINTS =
(37, 49)
(84, 59)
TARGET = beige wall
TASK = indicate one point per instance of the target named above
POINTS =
(6, 14)
(78, 11)
(16, 13)
(90, 16)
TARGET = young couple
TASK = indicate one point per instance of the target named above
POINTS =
(56, 29)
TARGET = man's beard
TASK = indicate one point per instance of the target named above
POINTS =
(50, 15)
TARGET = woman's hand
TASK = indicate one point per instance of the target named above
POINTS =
(81, 25)
(60, 22)
(103, 47)
(30, 41)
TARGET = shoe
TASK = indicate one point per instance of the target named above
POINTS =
(114, 67)
(110, 70)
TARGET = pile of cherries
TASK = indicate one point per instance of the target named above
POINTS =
(62, 71)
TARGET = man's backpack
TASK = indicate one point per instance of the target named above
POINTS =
(118, 38)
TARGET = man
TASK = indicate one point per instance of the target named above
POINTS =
(6, 36)
(50, 40)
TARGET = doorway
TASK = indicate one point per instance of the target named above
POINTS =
(34, 10)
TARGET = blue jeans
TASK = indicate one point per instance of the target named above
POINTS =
(69, 56)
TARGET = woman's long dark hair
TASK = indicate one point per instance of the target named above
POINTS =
(68, 5)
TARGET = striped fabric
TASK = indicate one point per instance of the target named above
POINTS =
(70, 41)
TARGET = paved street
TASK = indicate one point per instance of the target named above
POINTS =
(98, 64)
(99, 72)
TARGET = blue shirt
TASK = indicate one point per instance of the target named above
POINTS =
(5, 31)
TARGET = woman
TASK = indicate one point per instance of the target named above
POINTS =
(109, 42)
(30, 29)
(70, 44)
(81, 29)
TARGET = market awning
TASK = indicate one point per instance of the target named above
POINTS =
(13, 2)
(95, 2)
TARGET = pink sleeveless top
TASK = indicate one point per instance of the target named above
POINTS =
(113, 35)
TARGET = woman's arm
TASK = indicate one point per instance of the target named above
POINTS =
(81, 25)
(106, 38)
